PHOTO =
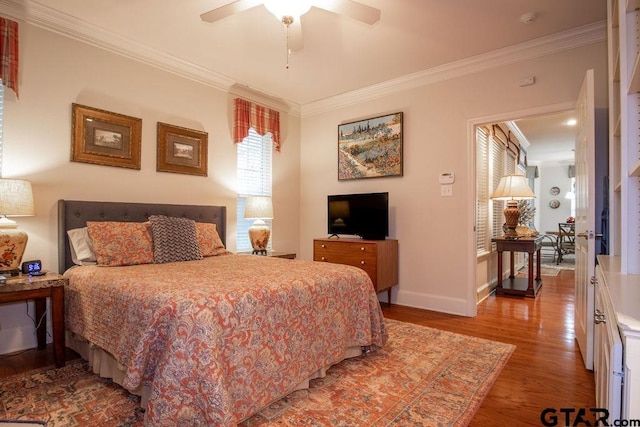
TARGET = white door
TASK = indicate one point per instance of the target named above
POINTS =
(585, 220)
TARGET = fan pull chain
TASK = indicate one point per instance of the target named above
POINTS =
(287, 21)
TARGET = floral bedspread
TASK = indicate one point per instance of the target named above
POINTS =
(220, 338)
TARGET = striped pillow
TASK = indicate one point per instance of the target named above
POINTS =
(174, 239)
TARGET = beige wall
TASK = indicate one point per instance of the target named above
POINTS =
(56, 72)
(436, 239)
(438, 268)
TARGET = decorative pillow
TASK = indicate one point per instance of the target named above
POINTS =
(121, 243)
(209, 239)
(81, 247)
(174, 239)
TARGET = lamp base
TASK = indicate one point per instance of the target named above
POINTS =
(512, 217)
(12, 246)
(259, 234)
(7, 273)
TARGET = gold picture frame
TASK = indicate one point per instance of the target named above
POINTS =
(105, 138)
(181, 150)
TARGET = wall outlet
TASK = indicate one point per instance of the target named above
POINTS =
(446, 190)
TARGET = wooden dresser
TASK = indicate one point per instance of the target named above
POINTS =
(379, 258)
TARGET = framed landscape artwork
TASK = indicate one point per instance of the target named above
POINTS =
(181, 150)
(370, 148)
(104, 138)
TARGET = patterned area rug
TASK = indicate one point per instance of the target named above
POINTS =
(423, 376)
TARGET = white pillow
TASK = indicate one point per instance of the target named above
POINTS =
(82, 252)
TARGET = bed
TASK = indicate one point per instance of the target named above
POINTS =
(207, 341)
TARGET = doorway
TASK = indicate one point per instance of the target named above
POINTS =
(484, 265)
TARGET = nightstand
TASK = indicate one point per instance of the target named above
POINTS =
(276, 254)
(39, 288)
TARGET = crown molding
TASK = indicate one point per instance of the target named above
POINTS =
(566, 40)
(49, 19)
(52, 20)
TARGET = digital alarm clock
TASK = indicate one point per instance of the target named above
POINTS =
(32, 268)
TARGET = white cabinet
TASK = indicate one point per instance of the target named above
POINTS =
(619, 285)
(618, 296)
(623, 17)
(607, 355)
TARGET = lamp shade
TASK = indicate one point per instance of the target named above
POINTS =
(258, 207)
(16, 198)
(513, 187)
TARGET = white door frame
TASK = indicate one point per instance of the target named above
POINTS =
(472, 265)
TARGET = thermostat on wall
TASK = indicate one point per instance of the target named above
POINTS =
(447, 178)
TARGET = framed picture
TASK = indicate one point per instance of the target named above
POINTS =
(181, 150)
(105, 138)
(370, 148)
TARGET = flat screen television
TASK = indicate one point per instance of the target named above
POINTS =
(365, 215)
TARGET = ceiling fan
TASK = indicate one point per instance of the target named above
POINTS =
(289, 12)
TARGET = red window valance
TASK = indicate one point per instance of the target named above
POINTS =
(9, 53)
(262, 119)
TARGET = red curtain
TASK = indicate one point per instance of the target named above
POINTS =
(9, 53)
(262, 119)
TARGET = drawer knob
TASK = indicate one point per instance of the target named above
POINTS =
(323, 245)
(323, 259)
(362, 262)
(362, 248)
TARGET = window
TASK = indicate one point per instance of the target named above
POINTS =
(254, 179)
(495, 157)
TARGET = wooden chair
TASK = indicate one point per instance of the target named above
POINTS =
(566, 240)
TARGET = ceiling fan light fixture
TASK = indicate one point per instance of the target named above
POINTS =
(293, 8)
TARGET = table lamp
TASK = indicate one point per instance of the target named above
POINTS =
(512, 188)
(16, 199)
(260, 208)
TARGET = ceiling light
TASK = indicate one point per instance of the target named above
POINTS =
(571, 122)
(293, 8)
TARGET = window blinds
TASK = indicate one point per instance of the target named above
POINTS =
(254, 179)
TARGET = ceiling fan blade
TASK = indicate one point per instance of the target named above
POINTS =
(352, 9)
(227, 10)
(295, 36)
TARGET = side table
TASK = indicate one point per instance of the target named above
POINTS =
(520, 286)
(39, 288)
(276, 254)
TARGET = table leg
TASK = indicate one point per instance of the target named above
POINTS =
(499, 287)
(538, 264)
(530, 275)
(41, 322)
(57, 320)
(511, 266)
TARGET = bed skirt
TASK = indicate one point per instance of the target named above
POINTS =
(105, 365)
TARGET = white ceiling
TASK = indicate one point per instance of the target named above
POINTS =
(552, 139)
(340, 55)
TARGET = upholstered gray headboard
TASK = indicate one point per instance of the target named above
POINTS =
(76, 213)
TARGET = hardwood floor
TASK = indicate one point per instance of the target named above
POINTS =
(545, 371)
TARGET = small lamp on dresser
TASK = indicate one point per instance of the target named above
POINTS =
(260, 208)
(16, 199)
